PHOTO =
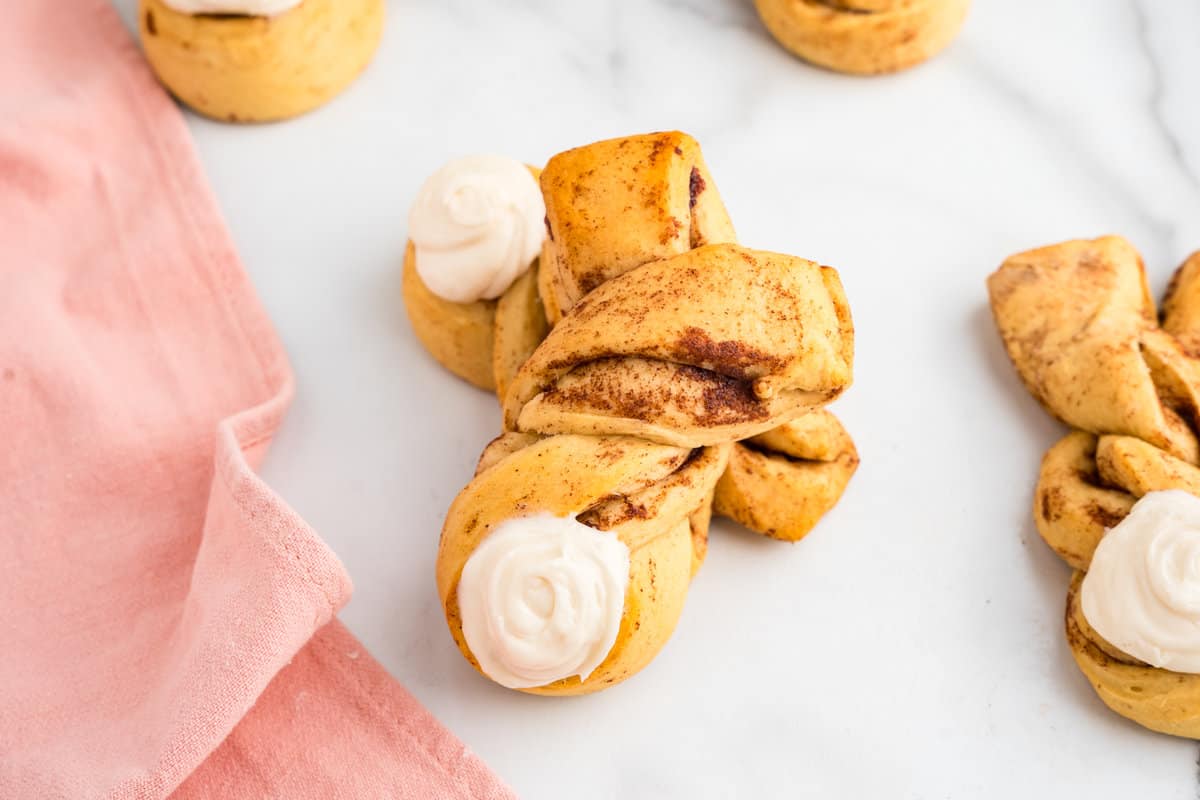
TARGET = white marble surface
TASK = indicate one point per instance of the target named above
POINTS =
(911, 647)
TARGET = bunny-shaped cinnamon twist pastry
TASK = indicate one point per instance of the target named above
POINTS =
(1119, 498)
(564, 564)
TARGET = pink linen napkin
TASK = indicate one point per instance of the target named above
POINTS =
(166, 621)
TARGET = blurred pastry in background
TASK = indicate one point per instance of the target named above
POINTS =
(258, 60)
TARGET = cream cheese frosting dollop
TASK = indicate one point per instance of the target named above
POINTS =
(248, 8)
(477, 224)
(542, 598)
(1142, 590)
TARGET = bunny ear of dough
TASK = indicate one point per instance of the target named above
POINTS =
(1161, 700)
(668, 353)
(780, 483)
(617, 204)
(1074, 318)
(238, 68)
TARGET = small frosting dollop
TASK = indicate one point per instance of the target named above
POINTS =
(541, 599)
(246, 8)
(477, 224)
(1142, 590)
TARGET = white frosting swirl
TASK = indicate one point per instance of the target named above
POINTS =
(542, 598)
(477, 224)
(1142, 590)
(249, 8)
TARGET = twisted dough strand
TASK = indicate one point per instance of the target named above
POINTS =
(863, 37)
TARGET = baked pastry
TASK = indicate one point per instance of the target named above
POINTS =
(1118, 500)
(621, 203)
(781, 482)
(615, 205)
(563, 566)
(863, 37)
(258, 60)
(475, 230)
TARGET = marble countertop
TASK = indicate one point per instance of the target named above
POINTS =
(910, 647)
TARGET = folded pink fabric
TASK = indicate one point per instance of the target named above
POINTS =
(166, 622)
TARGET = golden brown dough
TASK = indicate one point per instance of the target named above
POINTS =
(483, 342)
(647, 494)
(863, 37)
(1181, 306)
(258, 69)
(1080, 325)
(626, 412)
(1072, 507)
(1161, 700)
(1075, 318)
(520, 326)
(780, 483)
(621, 203)
(668, 353)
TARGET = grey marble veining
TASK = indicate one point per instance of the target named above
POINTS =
(911, 647)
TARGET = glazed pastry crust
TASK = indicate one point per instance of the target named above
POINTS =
(863, 37)
(780, 483)
(258, 69)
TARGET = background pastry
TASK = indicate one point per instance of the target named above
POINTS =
(1117, 500)
(258, 60)
(863, 37)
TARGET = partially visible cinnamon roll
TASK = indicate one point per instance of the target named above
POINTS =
(863, 37)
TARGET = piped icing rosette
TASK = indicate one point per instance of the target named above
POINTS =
(477, 224)
(542, 598)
